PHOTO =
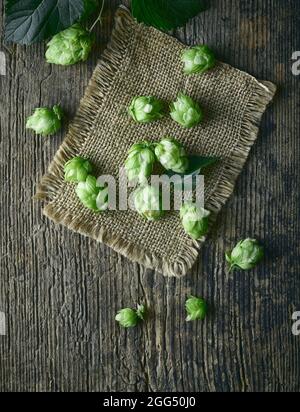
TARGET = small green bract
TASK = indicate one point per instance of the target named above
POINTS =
(198, 59)
(147, 201)
(196, 308)
(140, 161)
(194, 220)
(77, 169)
(129, 318)
(171, 154)
(91, 195)
(70, 46)
(45, 121)
(245, 255)
(146, 109)
(186, 111)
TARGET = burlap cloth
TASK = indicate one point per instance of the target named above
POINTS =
(143, 61)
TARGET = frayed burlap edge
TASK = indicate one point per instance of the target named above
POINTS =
(80, 128)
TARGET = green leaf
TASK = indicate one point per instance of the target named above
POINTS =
(166, 14)
(31, 21)
(196, 164)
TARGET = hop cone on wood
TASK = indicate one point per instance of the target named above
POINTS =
(45, 121)
(194, 220)
(245, 255)
(70, 46)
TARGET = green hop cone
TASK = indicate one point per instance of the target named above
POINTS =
(146, 109)
(140, 161)
(45, 121)
(198, 59)
(70, 46)
(147, 201)
(91, 195)
(194, 220)
(186, 111)
(77, 169)
(196, 308)
(245, 255)
(129, 318)
(171, 154)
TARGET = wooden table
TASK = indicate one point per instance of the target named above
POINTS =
(60, 291)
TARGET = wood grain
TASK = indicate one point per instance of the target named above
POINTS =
(60, 291)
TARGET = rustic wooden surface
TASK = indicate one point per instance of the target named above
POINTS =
(60, 291)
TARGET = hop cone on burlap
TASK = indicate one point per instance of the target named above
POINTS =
(146, 109)
(91, 195)
(198, 59)
(194, 220)
(245, 255)
(186, 111)
(139, 162)
(77, 169)
(129, 318)
(196, 308)
(171, 154)
(45, 121)
(70, 46)
(147, 201)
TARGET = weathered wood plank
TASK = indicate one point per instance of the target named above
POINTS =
(60, 291)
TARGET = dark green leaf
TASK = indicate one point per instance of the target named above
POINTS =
(30, 21)
(166, 14)
(196, 164)
(90, 7)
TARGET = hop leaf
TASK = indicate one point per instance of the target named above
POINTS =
(129, 318)
(171, 154)
(146, 109)
(245, 255)
(196, 308)
(198, 59)
(77, 169)
(70, 46)
(186, 111)
(91, 195)
(45, 121)
(147, 201)
(140, 161)
(194, 220)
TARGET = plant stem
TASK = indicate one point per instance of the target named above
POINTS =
(98, 18)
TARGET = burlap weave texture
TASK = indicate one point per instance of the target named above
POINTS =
(143, 61)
